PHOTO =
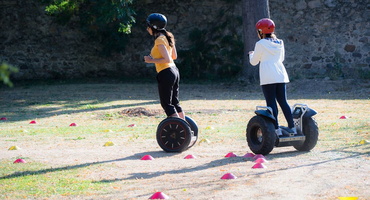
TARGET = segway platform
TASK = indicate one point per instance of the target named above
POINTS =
(261, 136)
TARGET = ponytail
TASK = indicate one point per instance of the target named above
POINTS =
(169, 36)
(270, 35)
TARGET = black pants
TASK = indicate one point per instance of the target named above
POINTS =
(168, 88)
(277, 92)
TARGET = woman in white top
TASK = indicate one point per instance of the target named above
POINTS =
(269, 52)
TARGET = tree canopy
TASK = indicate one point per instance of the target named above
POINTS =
(104, 20)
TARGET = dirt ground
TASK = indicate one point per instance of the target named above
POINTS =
(319, 174)
(323, 173)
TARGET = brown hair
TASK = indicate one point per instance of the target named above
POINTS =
(169, 36)
(270, 35)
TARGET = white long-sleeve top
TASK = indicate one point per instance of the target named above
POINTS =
(270, 54)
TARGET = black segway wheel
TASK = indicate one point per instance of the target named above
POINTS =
(194, 129)
(173, 135)
(261, 135)
(311, 131)
(193, 125)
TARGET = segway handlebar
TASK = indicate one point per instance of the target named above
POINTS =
(265, 111)
(306, 111)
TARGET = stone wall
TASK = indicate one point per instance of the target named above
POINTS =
(42, 49)
(323, 38)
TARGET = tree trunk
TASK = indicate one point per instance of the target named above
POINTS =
(253, 10)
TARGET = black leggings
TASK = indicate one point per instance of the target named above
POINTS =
(168, 88)
(277, 92)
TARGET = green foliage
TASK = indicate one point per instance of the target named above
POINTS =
(105, 21)
(216, 53)
(5, 72)
(41, 181)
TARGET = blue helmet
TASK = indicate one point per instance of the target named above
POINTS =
(157, 21)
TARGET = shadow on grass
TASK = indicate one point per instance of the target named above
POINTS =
(137, 156)
(50, 111)
(340, 150)
(33, 101)
(43, 101)
(227, 161)
(212, 164)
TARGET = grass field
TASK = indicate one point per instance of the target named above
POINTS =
(71, 162)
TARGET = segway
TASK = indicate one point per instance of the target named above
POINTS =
(176, 135)
(261, 136)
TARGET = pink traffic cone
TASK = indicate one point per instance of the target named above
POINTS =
(147, 157)
(260, 160)
(248, 155)
(131, 125)
(73, 124)
(258, 165)
(159, 195)
(229, 155)
(19, 161)
(33, 122)
(343, 117)
(3, 118)
(258, 156)
(228, 176)
(189, 157)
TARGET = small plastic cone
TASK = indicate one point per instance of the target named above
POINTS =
(348, 198)
(14, 148)
(159, 195)
(73, 124)
(258, 165)
(258, 156)
(189, 157)
(248, 155)
(343, 117)
(108, 144)
(33, 122)
(3, 118)
(147, 157)
(228, 176)
(107, 131)
(364, 142)
(19, 161)
(260, 160)
(229, 155)
(131, 125)
(204, 140)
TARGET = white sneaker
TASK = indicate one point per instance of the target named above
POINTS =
(278, 132)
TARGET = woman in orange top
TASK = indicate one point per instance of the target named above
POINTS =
(162, 55)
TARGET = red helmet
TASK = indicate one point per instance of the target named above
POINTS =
(265, 26)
